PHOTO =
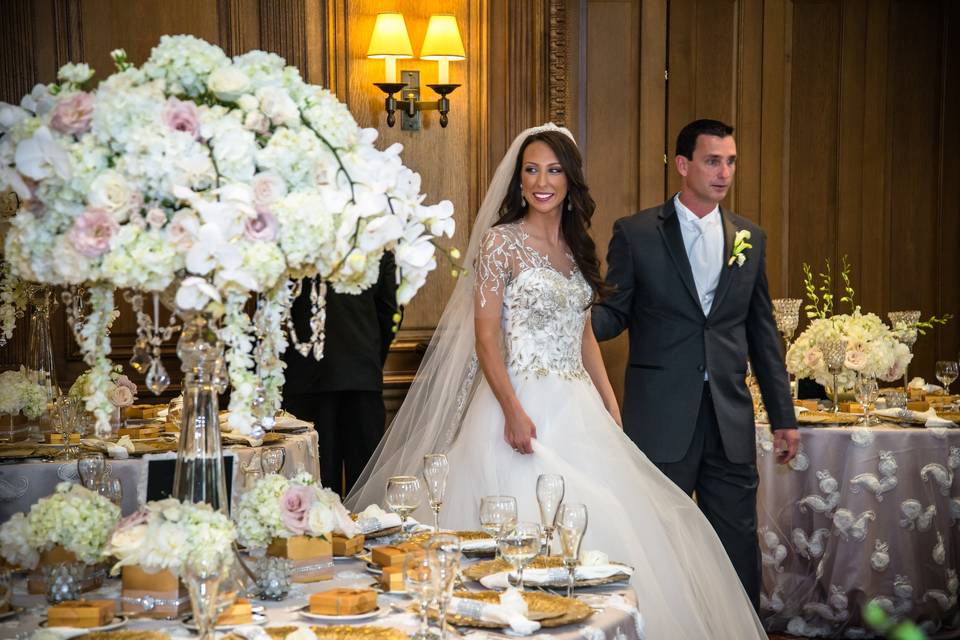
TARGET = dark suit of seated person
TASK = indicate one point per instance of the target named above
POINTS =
(342, 393)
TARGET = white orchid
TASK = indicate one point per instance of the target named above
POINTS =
(40, 157)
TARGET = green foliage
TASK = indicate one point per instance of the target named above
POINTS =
(879, 621)
(928, 324)
(820, 295)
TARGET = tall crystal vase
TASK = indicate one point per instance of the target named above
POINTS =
(199, 475)
(40, 363)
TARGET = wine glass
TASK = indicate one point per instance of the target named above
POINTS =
(866, 391)
(571, 524)
(91, 467)
(204, 572)
(786, 313)
(111, 489)
(946, 373)
(272, 459)
(418, 580)
(834, 354)
(496, 514)
(549, 496)
(519, 545)
(63, 419)
(403, 497)
(443, 550)
(435, 469)
(904, 324)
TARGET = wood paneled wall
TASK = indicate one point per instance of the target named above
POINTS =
(847, 123)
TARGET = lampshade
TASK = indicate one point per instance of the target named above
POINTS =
(390, 37)
(442, 41)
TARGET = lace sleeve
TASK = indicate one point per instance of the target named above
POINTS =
(494, 270)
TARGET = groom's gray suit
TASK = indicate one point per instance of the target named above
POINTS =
(700, 433)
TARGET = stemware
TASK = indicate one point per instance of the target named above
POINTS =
(65, 417)
(418, 580)
(946, 373)
(550, 491)
(571, 524)
(904, 324)
(91, 467)
(203, 573)
(867, 391)
(403, 497)
(443, 550)
(272, 459)
(519, 545)
(786, 313)
(111, 489)
(496, 514)
(435, 469)
(834, 354)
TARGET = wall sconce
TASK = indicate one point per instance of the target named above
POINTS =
(441, 43)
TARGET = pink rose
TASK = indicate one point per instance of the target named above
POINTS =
(262, 227)
(294, 506)
(92, 231)
(268, 187)
(812, 358)
(120, 396)
(855, 360)
(72, 115)
(182, 116)
(124, 381)
(156, 218)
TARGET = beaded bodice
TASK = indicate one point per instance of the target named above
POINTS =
(543, 310)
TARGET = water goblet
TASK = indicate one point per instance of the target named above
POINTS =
(496, 514)
(946, 372)
(519, 545)
(550, 491)
(904, 325)
(834, 354)
(403, 497)
(443, 550)
(272, 459)
(435, 469)
(571, 524)
(418, 580)
(866, 391)
(91, 467)
(111, 489)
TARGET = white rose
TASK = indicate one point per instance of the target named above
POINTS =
(228, 83)
(110, 191)
(320, 520)
(256, 122)
(126, 542)
(248, 102)
(277, 105)
(268, 187)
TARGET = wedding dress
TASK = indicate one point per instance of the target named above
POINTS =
(686, 587)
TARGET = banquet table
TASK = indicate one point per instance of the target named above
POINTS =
(24, 482)
(861, 514)
(615, 618)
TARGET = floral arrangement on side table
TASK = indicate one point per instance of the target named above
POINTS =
(210, 179)
(121, 391)
(18, 393)
(279, 507)
(74, 518)
(164, 534)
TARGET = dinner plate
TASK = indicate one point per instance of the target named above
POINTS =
(375, 569)
(9, 614)
(116, 623)
(258, 618)
(319, 617)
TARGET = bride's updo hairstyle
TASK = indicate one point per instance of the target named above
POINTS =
(575, 223)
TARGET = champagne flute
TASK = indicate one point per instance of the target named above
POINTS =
(403, 497)
(571, 523)
(435, 469)
(418, 580)
(496, 514)
(443, 550)
(203, 573)
(519, 545)
(550, 491)
(867, 392)
(946, 373)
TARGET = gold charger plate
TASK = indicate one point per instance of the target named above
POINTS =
(546, 608)
(126, 634)
(465, 536)
(337, 632)
(489, 567)
(827, 417)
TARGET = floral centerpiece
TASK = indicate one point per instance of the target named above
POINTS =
(209, 179)
(74, 518)
(279, 507)
(20, 394)
(121, 391)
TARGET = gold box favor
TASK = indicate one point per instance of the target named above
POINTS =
(854, 407)
(140, 433)
(810, 405)
(918, 405)
(312, 557)
(343, 602)
(143, 411)
(163, 589)
(392, 578)
(81, 613)
(240, 612)
(392, 555)
(56, 438)
(343, 546)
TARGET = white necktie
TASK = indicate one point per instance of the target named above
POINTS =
(700, 265)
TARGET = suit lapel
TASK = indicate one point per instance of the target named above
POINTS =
(727, 270)
(673, 238)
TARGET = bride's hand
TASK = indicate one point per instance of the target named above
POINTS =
(614, 412)
(518, 431)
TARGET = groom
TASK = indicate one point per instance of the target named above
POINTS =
(691, 287)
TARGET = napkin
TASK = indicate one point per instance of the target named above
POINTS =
(480, 544)
(555, 575)
(928, 418)
(594, 558)
(373, 519)
(120, 450)
(232, 437)
(920, 383)
(512, 611)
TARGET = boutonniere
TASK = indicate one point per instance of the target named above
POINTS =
(740, 245)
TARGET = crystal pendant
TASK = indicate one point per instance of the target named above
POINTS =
(140, 360)
(157, 377)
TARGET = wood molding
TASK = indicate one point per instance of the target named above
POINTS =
(67, 31)
(283, 30)
(557, 61)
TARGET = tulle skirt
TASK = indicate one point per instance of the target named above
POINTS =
(685, 584)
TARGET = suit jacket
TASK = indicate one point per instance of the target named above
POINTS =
(672, 342)
(359, 330)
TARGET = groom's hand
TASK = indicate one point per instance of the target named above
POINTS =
(785, 443)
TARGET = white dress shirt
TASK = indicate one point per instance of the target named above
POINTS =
(703, 240)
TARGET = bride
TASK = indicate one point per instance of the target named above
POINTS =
(543, 404)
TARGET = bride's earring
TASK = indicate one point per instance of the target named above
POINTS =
(569, 204)
(523, 201)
